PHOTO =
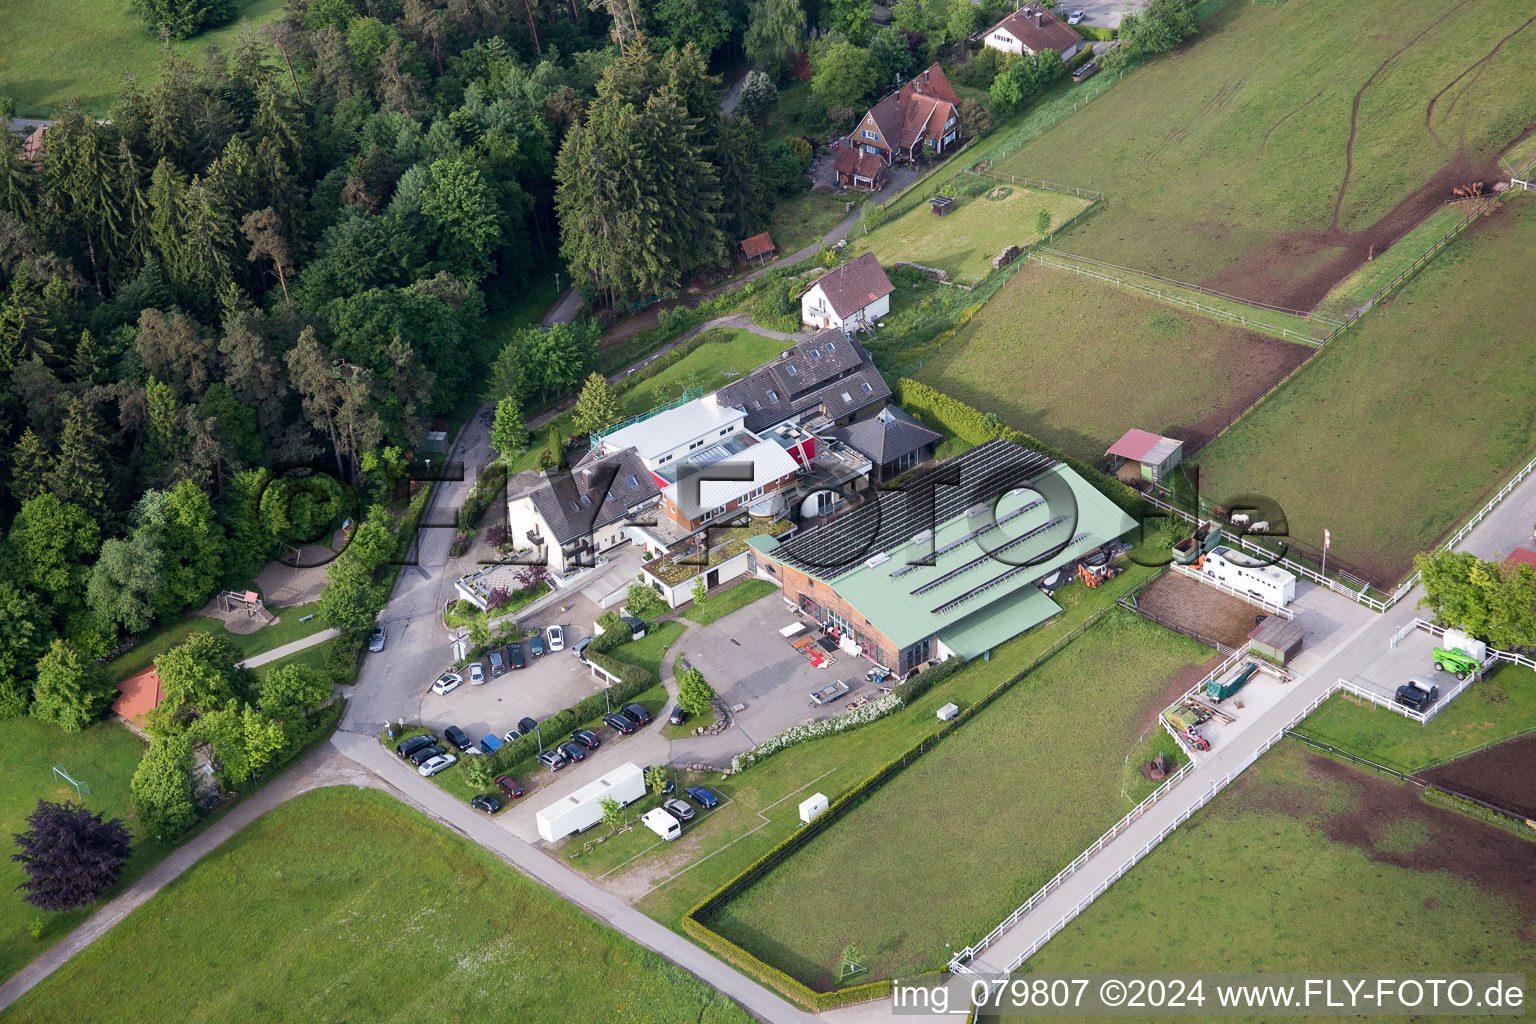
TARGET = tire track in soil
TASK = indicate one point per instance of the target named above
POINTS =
(1354, 113)
(1480, 64)
(1265, 144)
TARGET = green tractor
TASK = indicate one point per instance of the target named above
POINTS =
(1458, 662)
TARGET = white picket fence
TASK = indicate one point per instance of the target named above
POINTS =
(1257, 602)
(956, 966)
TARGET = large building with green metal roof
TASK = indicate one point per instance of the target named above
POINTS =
(952, 563)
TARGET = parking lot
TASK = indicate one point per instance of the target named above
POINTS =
(555, 681)
(748, 662)
(1413, 656)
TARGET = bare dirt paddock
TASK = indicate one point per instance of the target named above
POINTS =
(1503, 775)
(1189, 604)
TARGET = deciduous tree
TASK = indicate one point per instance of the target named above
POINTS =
(72, 690)
(161, 789)
(71, 855)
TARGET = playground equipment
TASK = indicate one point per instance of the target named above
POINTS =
(82, 788)
(233, 601)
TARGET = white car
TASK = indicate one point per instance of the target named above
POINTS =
(556, 638)
(435, 765)
(445, 682)
(1076, 17)
(476, 673)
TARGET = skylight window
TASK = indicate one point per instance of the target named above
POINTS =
(586, 500)
(791, 368)
(773, 396)
(847, 398)
(815, 353)
(867, 389)
(633, 482)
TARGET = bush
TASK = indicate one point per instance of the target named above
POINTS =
(496, 535)
(488, 487)
(802, 150)
(181, 19)
(1095, 33)
(922, 682)
(615, 632)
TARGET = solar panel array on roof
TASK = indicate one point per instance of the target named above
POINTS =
(981, 475)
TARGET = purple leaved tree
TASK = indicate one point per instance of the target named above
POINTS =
(71, 855)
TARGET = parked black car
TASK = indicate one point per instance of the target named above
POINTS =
(421, 755)
(553, 759)
(620, 721)
(638, 713)
(458, 737)
(526, 725)
(587, 738)
(572, 751)
(486, 803)
(678, 715)
(515, 656)
(415, 743)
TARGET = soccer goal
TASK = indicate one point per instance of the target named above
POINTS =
(82, 788)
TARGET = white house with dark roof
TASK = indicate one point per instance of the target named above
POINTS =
(570, 518)
(1032, 29)
(851, 296)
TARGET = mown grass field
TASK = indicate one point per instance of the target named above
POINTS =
(285, 630)
(57, 50)
(344, 905)
(104, 757)
(1495, 709)
(964, 242)
(1304, 864)
(802, 219)
(1409, 419)
(965, 833)
(1225, 162)
(760, 807)
(718, 606)
(1077, 362)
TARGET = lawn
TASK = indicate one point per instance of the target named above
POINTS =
(1307, 865)
(1077, 362)
(285, 630)
(314, 657)
(1050, 753)
(344, 905)
(649, 650)
(104, 757)
(1495, 709)
(1233, 163)
(81, 49)
(964, 242)
(761, 801)
(732, 599)
(802, 219)
(1409, 419)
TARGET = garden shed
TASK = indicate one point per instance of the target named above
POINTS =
(1279, 640)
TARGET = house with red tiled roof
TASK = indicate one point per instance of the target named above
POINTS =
(920, 117)
(851, 296)
(1031, 29)
(139, 694)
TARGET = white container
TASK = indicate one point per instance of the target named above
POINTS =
(584, 808)
(812, 807)
(1456, 640)
(662, 823)
(948, 712)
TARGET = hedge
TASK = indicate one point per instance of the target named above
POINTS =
(970, 426)
(1095, 33)
(488, 486)
(917, 685)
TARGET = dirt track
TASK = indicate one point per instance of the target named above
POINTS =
(1503, 775)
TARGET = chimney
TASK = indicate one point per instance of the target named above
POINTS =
(1039, 20)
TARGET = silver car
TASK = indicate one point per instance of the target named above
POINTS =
(376, 638)
(435, 765)
(476, 674)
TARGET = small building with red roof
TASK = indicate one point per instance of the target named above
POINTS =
(1157, 455)
(139, 694)
(758, 247)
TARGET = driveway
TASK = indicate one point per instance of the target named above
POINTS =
(1101, 13)
(555, 681)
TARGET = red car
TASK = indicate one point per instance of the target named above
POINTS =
(508, 785)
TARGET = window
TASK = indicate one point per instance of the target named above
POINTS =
(725, 431)
(867, 389)
(847, 398)
(773, 396)
(815, 353)
(586, 500)
(828, 346)
(633, 482)
(757, 406)
(791, 368)
(914, 656)
(870, 135)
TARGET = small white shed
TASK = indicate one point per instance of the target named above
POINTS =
(812, 807)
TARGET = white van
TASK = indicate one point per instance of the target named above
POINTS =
(662, 823)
